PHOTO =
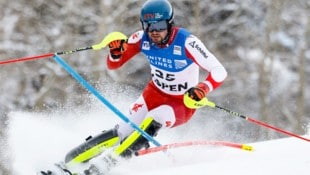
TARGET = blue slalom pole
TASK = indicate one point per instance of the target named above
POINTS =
(83, 82)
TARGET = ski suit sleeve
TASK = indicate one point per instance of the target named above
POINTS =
(133, 48)
(198, 52)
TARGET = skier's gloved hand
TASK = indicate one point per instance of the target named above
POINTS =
(117, 47)
(198, 92)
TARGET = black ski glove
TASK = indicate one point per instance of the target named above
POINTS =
(198, 92)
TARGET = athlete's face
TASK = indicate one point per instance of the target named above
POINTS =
(157, 36)
(157, 31)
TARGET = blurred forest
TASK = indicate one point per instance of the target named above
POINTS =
(263, 44)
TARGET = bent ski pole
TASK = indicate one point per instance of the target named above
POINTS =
(205, 102)
(90, 88)
(107, 39)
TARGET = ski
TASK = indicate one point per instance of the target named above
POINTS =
(60, 170)
(57, 169)
(102, 164)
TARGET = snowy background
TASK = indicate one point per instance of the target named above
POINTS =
(263, 44)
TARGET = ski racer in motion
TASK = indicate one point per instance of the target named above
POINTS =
(175, 57)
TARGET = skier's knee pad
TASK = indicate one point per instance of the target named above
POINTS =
(135, 141)
(92, 147)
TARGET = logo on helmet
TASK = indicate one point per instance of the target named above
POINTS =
(158, 16)
(152, 16)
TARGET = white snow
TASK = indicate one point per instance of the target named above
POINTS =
(39, 140)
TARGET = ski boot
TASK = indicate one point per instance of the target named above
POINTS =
(93, 147)
(134, 142)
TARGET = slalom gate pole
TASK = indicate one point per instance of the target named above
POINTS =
(48, 55)
(194, 143)
(107, 39)
(213, 105)
(90, 88)
(262, 123)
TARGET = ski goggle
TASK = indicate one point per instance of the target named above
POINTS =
(157, 26)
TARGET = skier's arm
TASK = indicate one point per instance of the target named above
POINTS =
(197, 51)
(121, 52)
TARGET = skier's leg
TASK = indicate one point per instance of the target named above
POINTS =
(98, 144)
(162, 116)
(135, 141)
(137, 112)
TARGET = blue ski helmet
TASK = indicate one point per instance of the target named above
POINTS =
(156, 10)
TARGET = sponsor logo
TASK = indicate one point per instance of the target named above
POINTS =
(161, 62)
(152, 16)
(136, 107)
(177, 50)
(158, 16)
(167, 63)
(148, 16)
(135, 35)
(198, 47)
(179, 64)
(146, 45)
(168, 123)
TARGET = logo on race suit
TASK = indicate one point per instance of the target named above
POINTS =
(168, 123)
(179, 64)
(146, 45)
(135, 35)
(161, 62)
(166, 63)
(136, 107)
(177, 50)
(198, 47)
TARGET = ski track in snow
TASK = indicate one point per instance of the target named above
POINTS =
(39, 140)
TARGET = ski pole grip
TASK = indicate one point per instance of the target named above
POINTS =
(193, 104)
(109, 38)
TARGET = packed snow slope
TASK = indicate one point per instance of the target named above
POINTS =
(37, 141)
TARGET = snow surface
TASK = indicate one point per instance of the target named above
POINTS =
(39, 140)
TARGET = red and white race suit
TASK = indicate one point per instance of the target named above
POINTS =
(174, 69)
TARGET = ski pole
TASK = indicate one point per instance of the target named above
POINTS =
(205, 102)
(107, 39)
(90, 88)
